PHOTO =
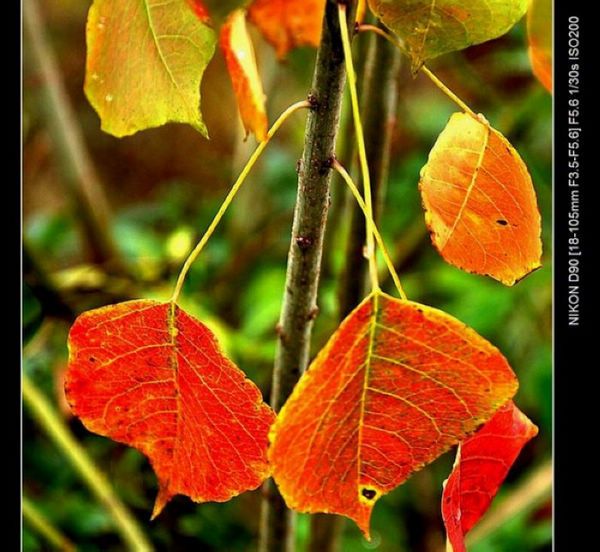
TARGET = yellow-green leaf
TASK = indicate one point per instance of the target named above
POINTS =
(145, 61)
(434, 27)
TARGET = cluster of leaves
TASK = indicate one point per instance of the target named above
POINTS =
(398, 383)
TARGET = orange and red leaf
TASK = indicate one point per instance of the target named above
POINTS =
(397, 385)
(482, 463)
(539, 37)
(241, 64)
(287, 24)
(149, 375)
(480, 204)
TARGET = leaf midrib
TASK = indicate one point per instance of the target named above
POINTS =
(363, 400)
(156, 41)
(471, 187)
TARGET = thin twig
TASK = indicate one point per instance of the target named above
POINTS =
(231, 195)
(304, 258)
(396, 42)
(360, 144)
(384, 251)
(42, 525)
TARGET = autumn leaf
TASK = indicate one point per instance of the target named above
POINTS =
(479, 201)
(241, 64)
(145, 62)
(220, 9)
(287, 24)
(430, 28)
(482, 463)
(539, 36)
(149, 375)
(397, 385)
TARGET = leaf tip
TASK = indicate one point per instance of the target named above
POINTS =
(363, 520)
(162, 498)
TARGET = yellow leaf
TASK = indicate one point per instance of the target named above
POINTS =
(144, 64)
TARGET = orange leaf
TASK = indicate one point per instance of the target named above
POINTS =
(482, 463)
(539, 36)
(479, 201)
(397, 384)
(287, 24)
(241, 64)
(149, 375)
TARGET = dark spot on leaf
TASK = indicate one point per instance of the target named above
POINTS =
(369, 494)
(502, 222)
(92, 359)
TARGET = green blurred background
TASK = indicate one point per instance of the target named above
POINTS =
(164, 186)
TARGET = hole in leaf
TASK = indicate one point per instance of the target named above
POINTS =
(369, 494)
(502, 222)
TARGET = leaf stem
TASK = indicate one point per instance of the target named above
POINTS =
(40, 523)
(396, 42)
(45, 415)
(232, 192)
(373, 227)
(360, 142)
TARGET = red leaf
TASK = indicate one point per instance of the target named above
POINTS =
(398, 384)
(482, 463)
(241, 64)
(149, 375)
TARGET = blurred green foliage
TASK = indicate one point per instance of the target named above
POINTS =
(166, 184)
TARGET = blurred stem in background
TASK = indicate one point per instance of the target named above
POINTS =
(528, 494)
(45, 415)
(51, 301)
(82, 186)
(378, 111)
(304, 259)
(34, 518)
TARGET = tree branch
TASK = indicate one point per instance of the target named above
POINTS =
(304, 257)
